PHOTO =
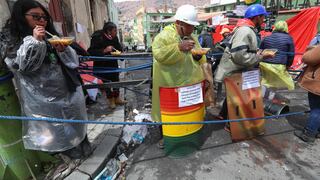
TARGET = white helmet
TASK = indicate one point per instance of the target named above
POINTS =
(188, 14)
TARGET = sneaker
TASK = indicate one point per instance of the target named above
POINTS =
(304, 136)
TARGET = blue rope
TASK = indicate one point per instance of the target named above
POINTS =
(6, 77)
(113, 58)
(57, 120)
(133, 68)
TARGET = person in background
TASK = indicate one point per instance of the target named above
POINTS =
(46, 80)
(274, 70)
(220, 47)
(103, 42)
(242, 53)
(173, 64)
(310, 81)
(205, 38)
(225, 32)
(218, 52)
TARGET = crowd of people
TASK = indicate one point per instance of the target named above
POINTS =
(48, 84)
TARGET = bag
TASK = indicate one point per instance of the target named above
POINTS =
(209, 97)
(310, 79)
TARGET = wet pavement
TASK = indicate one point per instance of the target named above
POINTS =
(276, 155)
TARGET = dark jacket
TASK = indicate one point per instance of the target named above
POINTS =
(98, 43)
(283, 42)
(206, 40)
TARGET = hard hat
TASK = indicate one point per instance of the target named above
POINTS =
(255, 10)
(188, 14)
(224, 30)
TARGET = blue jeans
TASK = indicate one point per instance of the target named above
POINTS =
(313, 123)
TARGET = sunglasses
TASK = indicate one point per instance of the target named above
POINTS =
(38, 17)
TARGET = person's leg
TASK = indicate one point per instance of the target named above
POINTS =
(110, 97)
(116, 91)
(313, 122)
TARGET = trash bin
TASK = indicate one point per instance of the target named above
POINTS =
(180, 140)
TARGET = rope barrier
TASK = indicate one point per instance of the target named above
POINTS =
(150, 57)
(117, 70)
(114, 58)
(6, 77)
(215, 121)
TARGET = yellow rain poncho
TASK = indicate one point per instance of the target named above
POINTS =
(275, 76)
(172, 67)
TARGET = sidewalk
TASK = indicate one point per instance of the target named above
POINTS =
(276, 155)
(103, 139)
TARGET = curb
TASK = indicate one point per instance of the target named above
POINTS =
(96, 162)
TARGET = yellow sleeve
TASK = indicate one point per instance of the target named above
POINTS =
(165, 48)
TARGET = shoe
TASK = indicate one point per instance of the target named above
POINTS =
(227, 127)
(120, 102)
(305, 136)
(112, 103)
(161, 144)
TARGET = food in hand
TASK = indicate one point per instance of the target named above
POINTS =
(201, 51)
(116, 53)
(269, 52)
(63, 40)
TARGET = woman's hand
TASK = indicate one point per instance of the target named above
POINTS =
(59, 47)
(108, 49)
(39, 33)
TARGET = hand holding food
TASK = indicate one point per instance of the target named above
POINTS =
(108, 49)
(186, 45)
(268, 53)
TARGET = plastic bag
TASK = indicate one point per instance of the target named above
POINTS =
(209, 97)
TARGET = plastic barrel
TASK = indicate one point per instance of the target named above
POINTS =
(180, 140)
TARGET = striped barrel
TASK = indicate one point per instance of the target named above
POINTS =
(180, 140)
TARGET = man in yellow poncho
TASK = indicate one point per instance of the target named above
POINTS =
(174, 65)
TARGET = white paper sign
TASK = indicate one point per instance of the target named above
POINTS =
(80, 28)
(250, 79)
(190, 95)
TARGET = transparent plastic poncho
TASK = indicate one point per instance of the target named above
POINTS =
(42, 91)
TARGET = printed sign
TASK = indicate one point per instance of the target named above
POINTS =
(190, 95)
(250, 79)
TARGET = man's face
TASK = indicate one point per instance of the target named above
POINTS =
(260, 20)
(184, 28)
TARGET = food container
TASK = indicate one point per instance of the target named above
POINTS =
(270, 52)
(200, 51)
(116, 53)
(61, 40)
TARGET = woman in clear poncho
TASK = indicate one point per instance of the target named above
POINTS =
(46, 81)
